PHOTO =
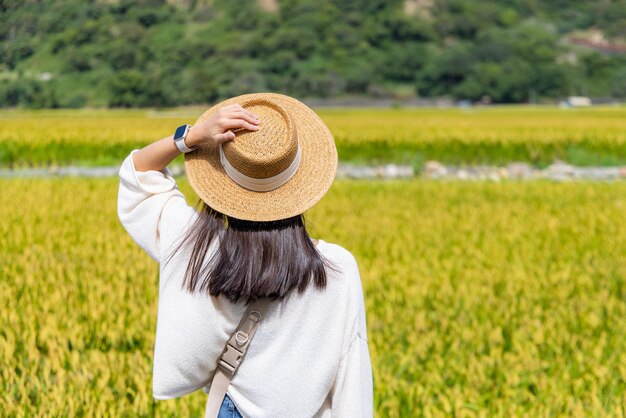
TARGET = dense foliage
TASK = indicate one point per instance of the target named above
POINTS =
(537, 135)
(73, 53)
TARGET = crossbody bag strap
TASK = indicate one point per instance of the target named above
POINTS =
(233, 354)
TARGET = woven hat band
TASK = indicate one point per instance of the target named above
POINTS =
(260, 185)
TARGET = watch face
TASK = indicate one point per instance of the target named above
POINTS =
(180, 131)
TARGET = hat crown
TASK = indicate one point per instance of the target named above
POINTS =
(270, 150)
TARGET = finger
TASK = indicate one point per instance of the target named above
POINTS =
(240, 114)
(237, 123)
(231, 107)
(238, 108)
(224, 137)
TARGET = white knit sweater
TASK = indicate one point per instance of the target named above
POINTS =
(309, 357)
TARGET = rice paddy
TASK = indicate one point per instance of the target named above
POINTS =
(483, 299)
(594, 136)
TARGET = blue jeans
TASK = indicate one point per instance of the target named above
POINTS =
(228, 409)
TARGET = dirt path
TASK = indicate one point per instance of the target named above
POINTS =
(432, 170)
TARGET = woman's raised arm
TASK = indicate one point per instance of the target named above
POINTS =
(215, 129)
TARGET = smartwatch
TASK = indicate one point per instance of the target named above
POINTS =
(179, 138)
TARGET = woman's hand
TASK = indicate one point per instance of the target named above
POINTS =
(214, 130)
(217, 128)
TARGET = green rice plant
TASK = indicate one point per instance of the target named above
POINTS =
(538, 135)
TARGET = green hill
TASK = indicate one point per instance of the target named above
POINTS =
(165, 53)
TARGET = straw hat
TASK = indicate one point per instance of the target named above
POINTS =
(274, 173)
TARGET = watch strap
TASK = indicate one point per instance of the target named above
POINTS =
(180, 140)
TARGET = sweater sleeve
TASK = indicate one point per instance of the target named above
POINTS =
(352, 394)
(149, 201)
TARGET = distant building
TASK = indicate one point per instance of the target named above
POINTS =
(576, 101)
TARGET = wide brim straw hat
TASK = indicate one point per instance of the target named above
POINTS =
(276, 172)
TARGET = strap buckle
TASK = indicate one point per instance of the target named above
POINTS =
(238, 345)
(230, 359)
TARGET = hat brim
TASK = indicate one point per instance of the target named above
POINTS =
(308, 185)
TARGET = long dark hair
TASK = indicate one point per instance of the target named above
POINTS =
(252, 259)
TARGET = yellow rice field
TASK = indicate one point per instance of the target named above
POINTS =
(498, 135)
(399, 126)
(482, 299)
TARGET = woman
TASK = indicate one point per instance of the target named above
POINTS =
(257, 162)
